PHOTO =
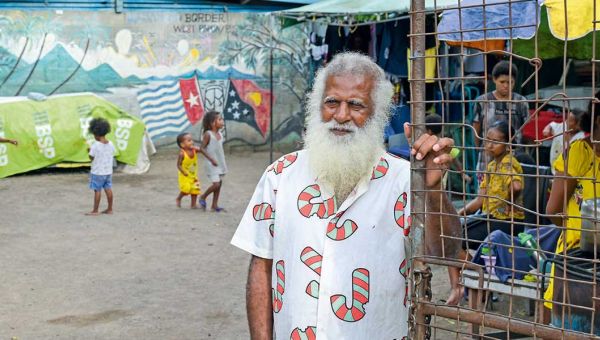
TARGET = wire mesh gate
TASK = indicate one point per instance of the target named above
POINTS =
(535, 244)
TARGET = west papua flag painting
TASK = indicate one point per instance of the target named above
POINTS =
(247, 103)
(169, 107)
(190, 92)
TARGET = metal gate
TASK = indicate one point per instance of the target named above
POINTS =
(535, 206)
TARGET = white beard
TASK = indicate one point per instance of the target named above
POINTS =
(340, 162)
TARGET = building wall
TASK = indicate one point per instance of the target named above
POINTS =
(167, 67)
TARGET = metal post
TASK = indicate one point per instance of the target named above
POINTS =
(119, 6)
(271, 90)
(421, 274)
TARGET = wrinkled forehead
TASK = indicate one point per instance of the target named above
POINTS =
(344, 86)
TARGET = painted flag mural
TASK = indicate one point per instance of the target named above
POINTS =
(170, 107)
(214, 92)
(247, 103)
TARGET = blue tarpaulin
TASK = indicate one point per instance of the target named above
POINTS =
(478, 22)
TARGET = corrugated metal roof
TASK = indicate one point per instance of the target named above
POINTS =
(41, 4)
(364, 7)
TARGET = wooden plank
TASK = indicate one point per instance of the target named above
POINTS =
(521, 288)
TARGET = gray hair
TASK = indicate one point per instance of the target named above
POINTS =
(352, 63)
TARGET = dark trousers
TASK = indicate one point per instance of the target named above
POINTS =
(477, 229)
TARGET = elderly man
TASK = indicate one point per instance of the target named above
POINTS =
(327, 225)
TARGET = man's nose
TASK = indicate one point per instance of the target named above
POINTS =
(342, 114)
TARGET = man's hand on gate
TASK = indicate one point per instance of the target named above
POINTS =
(434, 151)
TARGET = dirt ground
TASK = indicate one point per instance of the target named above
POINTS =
(150, 271)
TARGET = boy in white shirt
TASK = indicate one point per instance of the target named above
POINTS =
(101, 153)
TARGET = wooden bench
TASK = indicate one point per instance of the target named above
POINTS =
(491, 283)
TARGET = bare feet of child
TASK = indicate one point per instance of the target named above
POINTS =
(456, 295)
(178, 202)
(108, 212)
(92, 213)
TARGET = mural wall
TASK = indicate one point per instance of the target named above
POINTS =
(168, 68)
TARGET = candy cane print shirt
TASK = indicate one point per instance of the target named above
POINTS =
(338, 272)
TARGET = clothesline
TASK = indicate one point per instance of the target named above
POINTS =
(363, 23)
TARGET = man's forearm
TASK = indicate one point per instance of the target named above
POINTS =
(258, 299)
(446, 224)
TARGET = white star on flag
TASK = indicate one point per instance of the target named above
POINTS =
(236, 115)
(193, 100)
(235, 104)
(232, 93)
(245, 112)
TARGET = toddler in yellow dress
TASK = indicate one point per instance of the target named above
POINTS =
(187, 164)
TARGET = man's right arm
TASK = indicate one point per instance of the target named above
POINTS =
(253, 235)
(258, 299)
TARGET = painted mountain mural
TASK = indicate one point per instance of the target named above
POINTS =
(53, 69)
(210, 73)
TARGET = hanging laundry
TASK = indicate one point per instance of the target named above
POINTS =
(394, 44)
(318, 47)
(342, 39)
(482, 45)
(335, 39)
(580, 17)
(475, 63)
(318, 50)
(359, 39)
(373, 43)
(430, 63)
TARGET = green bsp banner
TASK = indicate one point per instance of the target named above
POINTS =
(55, 130)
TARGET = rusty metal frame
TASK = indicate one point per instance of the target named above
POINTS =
(420, 274)
(422, 309)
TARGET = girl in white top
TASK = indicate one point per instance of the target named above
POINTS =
(564, 133)
(212, 143)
